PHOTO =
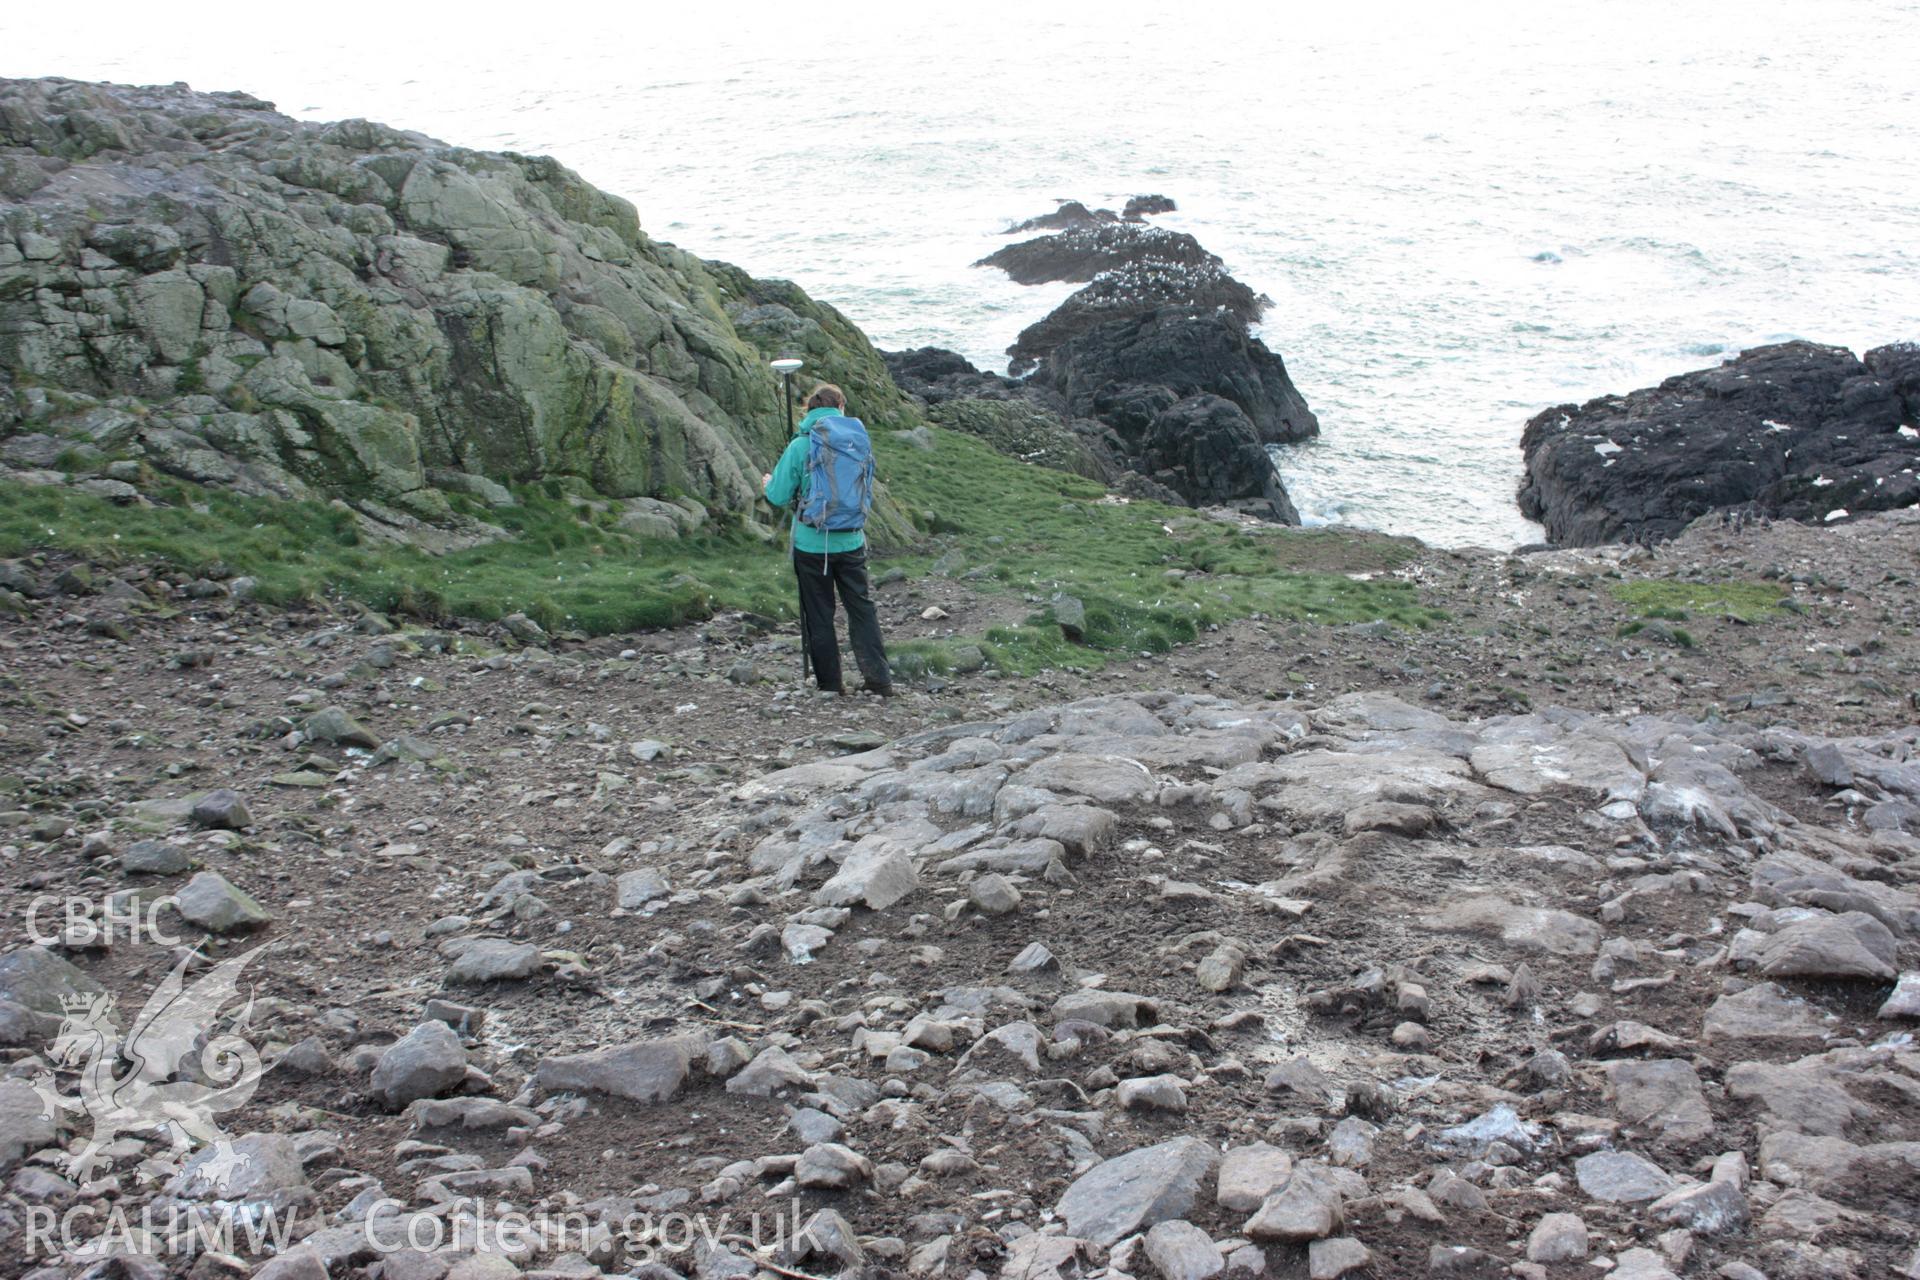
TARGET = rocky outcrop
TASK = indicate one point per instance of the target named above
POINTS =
(1794, 431)
(934, 375)
(212, 289)
(1203, 289)
(1152, 367)
(1201, 445)
(1080, 253)
(1023, 429)
(1106, 371)
(1072, 214)
(1018, 419)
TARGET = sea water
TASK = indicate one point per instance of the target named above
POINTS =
(1462, 213)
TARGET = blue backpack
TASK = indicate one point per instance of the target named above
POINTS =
(839, 476)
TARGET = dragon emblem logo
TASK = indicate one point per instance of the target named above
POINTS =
(172, 1073)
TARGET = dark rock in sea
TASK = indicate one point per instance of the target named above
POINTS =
(1149, 378)
(1071, 213)
(1131, 290)
(1145, 440)
(1146, 206)
(1100, 372)
(1081, 253)
(1795, 431)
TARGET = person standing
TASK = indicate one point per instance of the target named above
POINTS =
(830, 451)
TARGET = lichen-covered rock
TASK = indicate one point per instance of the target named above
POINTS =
(349, 310)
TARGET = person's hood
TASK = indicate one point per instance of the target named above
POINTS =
(814, 415)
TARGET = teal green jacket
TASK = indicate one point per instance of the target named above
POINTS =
(789, 487)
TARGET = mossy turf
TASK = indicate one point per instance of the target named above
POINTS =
(1676, 601)
(1149, 576)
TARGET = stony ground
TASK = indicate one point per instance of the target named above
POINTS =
(1296, 951)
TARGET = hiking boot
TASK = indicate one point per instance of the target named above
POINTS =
(880, 690)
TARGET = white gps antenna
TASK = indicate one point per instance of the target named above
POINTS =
(786, 367)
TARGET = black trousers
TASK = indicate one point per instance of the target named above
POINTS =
(844, 573)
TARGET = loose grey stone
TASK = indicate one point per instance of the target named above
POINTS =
(1708, 1209)
(331, 724)
(813, 1126)
(483, 960)
(833, 1167)
(1181, 1251)
(1080, 829)
(475, 1114)
(41, 982)
(1620, 1177)
(1103, 1008)
(211, 902)
(1248, 1262)
(1663, 1093)
(875, 877)
(1558, 1237)
(1138, 1190)
(1905, 1000)
(1302, 1210)
(770, 1072)
(828, 1235)
(644, 1071)
(1153, 1093)
(1853, 945)
(308, 1057)
(1033, 958)
(1642, 1264)
(635, 889)
(1526, 928)
(26, 1125)
(1299, 1075)
(1101, 778)
(222, 810)
(1763, 1011)
(1071, 616)
(993, 894)
(1015, 1045)
(252, 1167)
(1248, 1175)
(154, 858)
(425, 1063)
(1331, 1259)
(1350, 1145)
(1828, 765)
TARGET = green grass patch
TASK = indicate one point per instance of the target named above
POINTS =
(563, 572)
(1151, 577)
(1676, 601)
